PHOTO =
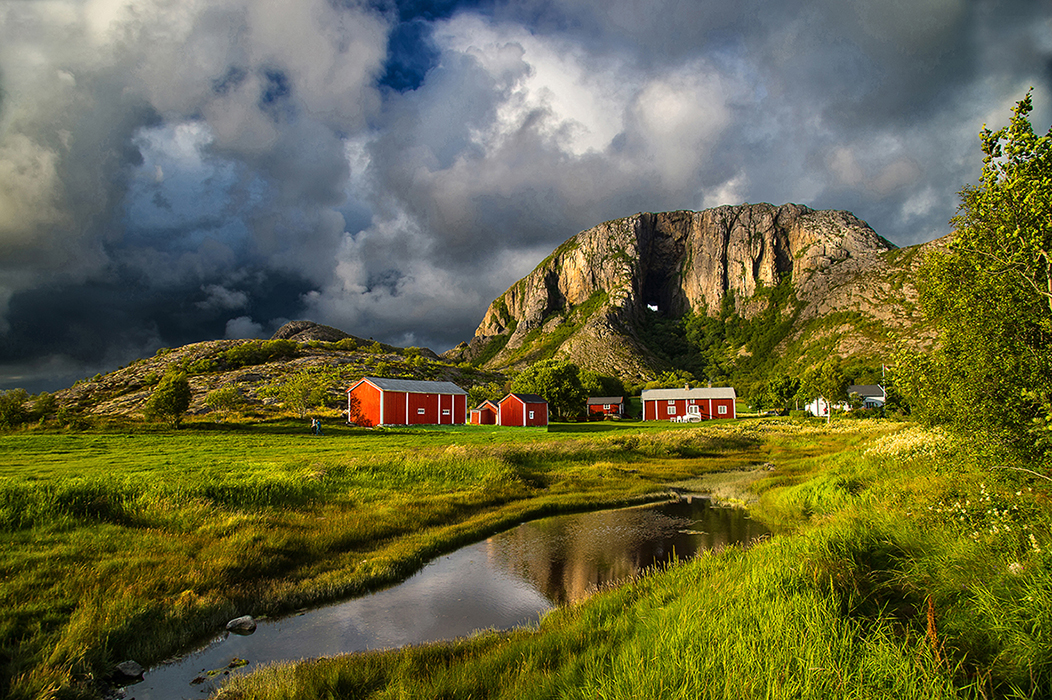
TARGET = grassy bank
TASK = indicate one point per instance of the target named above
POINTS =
(134, 544)
(909, 566)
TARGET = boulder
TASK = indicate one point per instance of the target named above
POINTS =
(129, 671)
(242, 625)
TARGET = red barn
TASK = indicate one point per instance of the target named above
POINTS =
(606, 405)
(688, 404)
(373, 401)
(485, 414)
(523, 410)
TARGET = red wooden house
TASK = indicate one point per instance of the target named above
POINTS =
(485, 414)
(523, 410)
(606, 405)
(373, 401)
(688, 404)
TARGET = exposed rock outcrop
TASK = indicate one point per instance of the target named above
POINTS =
(588, 298)
(306, 331)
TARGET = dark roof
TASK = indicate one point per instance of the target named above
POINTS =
(412, 386)
(527, 398)
(867, 390)
(596, 400)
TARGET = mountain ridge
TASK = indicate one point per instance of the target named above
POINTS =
(591, 299)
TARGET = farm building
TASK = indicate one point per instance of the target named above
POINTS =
(689, 404)
(872, 396)
(606, 405)
(485, 414)
(523, 410)
(373, 401)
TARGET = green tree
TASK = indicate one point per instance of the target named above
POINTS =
(559, 382)
(1004, 226)
(990, 297)
(779, 391)
(304, 390)
(492, 391)
(596, 384)
(12, 408)
(169, 400)
(825, 381)
(672, 379)
(44, 405)
(225, 399)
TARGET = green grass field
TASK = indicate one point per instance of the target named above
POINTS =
(892, 576)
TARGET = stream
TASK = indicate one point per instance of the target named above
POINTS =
(508, 580)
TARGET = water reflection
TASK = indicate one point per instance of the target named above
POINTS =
(567, 558)
(507, 581)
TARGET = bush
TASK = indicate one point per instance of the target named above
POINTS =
(304, 390)
(44, 405)
(257, 352)
(12, 408)
(203, 366)
(169, 400)
(226, 398)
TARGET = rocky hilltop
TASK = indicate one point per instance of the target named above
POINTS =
(590, 300)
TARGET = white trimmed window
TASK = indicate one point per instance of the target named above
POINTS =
(722, 410)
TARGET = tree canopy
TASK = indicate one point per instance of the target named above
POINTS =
(169, 400)
(559, 382)
(825, 381)
(990, 298)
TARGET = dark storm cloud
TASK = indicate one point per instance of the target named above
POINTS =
(177, 172)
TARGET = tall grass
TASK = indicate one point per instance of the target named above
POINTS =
(134, 545)
(912, 566)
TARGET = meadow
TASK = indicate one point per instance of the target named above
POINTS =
(905, 566)
(135, 542)
(908, 565)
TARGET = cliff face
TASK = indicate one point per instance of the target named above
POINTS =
(587, 299)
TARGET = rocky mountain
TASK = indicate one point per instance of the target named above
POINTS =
(823, 282)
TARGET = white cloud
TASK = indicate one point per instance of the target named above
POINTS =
(243, 327)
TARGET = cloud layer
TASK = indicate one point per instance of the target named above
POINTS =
(172, 172)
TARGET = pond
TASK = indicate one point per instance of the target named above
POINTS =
(508, 580)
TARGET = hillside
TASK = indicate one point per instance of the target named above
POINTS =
(257, 369)
(727, 293)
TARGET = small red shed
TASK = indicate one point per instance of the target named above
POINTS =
(688, 404)
(523, 410)
(485, 414)
(374, 401)
(606, 405)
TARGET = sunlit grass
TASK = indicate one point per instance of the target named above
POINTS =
(915, 568)
(117, 545)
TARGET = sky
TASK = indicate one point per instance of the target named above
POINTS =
(182, 170)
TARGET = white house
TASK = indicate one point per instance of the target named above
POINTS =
(872, 395)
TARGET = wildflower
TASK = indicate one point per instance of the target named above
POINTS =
(1015, 568)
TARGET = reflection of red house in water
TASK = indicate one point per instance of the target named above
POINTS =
(373, 401)
(523, 410)
(485, 414)
(606, 405)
